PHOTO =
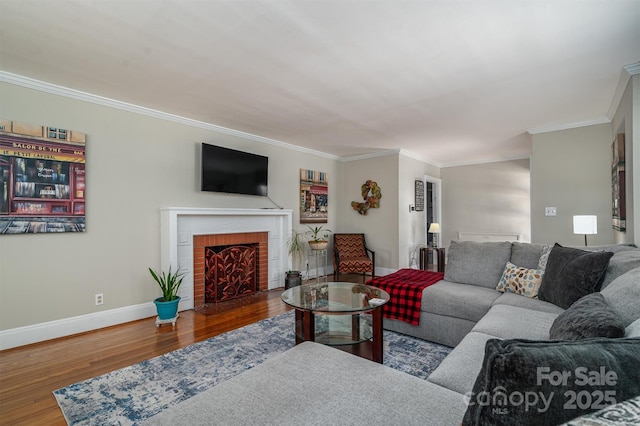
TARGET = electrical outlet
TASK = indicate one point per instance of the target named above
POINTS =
(550, 211)
(99, 299)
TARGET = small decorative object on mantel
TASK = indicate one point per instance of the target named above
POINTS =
(319, 237)
(371, 195)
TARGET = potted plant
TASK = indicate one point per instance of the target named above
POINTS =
(296, 245)
(319, 237)
(167, 305)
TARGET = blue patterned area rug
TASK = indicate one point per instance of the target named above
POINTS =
(132, 394)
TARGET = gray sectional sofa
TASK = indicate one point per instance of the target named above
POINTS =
(503, 353)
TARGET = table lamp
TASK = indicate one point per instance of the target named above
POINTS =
(434, 229)
(585, 224)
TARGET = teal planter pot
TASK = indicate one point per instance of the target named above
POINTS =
(166, 310)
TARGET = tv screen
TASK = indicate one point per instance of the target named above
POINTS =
(233, 172)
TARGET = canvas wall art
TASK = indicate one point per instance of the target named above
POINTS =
(314, 188)
(619, 205)
(42, 179)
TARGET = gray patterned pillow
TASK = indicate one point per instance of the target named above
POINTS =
(544, 257)
(623, 414)
(590, 316)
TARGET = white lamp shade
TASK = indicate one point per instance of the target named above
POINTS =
(585, 224)
(434, 228)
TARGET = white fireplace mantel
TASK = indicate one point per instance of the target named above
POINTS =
(179, 225)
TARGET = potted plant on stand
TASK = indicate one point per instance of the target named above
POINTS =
(167, 304)
(297, 249)
(319, 237)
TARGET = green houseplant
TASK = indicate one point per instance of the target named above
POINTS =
(167, 305)
(319, 237)
(297, 248)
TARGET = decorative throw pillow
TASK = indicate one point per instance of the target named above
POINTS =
(622, 413)
(590, 316)
(572, 273)
(519, 280)
(544, 256)
(633, 329)
(528, 382)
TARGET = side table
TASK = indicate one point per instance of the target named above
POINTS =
(320, 257)
(424, 257)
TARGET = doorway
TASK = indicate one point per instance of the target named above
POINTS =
(433, 210)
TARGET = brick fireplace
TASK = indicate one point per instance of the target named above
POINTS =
(179, 227)
(202, 243)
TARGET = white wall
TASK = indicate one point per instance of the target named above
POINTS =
(486, 198)
(571, 170)
(411, 225)
(136, 164)
(380, 225)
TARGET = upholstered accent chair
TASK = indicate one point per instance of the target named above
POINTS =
(351, 254)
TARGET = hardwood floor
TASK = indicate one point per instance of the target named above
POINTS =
(29, 374)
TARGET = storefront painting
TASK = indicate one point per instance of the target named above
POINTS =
(42, 179)
(314, 205)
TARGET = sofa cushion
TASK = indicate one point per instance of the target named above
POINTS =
(526, 254)
(562, 376)
(443, 329)
(480, 264)
(464, 301)
(590, 316)
(621, 263)
(510, 322)
(314, 384)
(520, 280)
(459, 369)
(571, 274)
(613, 248)
(623, 295)
(528, 303)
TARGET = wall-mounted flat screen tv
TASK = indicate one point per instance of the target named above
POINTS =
(233, 172)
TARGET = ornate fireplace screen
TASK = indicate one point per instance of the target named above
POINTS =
(230, 272)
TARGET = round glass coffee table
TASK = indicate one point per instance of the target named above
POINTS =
(345, 315)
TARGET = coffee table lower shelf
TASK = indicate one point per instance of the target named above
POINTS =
(363, 340)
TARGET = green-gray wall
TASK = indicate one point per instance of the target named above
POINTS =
(136, 164)
(491, 198)
(572, 172)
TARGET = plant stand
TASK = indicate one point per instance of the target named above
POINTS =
(171, 321)
(320, 266)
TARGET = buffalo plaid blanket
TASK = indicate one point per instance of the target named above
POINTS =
(405, 288)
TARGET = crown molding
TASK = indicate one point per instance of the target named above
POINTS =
(489, 161)
(555, 128)
(633, 69)
(54, 89)
(627, 72)
(376, 154)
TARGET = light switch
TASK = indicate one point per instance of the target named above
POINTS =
(550, 211)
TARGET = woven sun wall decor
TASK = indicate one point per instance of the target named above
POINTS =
(371, 195)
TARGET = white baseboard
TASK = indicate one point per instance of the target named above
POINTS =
(35, 333)
(67, 326)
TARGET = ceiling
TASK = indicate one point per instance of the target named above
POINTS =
(449, 82)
